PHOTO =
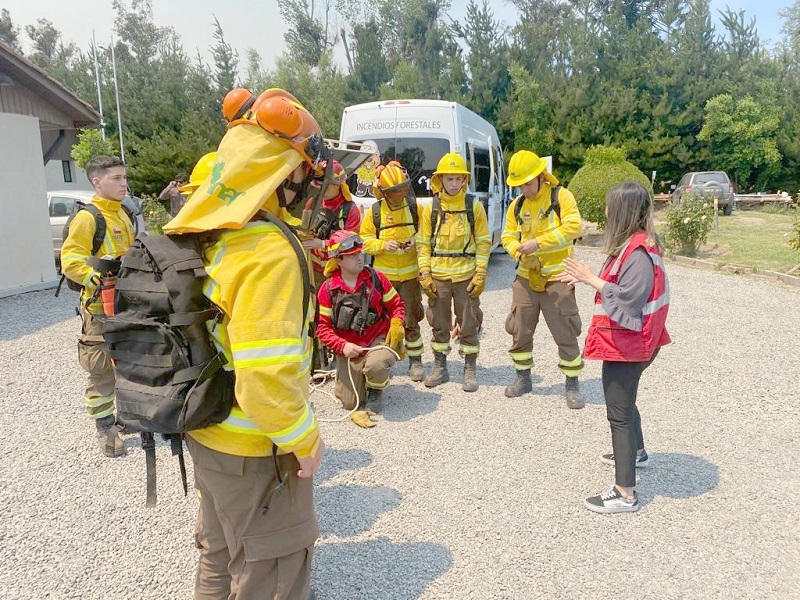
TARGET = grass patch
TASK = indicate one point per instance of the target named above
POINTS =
(753, 238)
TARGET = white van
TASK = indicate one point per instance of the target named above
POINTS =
(418, 133)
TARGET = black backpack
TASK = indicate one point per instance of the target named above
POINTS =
(376, 217)
(169, 374)
(97, 239)
(555, 206)
(437, 220)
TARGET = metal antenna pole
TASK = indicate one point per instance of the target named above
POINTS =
(97, 84)
(116, 92)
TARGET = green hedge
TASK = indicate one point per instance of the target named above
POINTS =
(603, 168)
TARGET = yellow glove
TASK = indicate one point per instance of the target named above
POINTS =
(536, 281)
(476, 284)
(362, 418)
(428, 284)
(396, 334)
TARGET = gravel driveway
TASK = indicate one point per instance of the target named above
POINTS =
(452, 495)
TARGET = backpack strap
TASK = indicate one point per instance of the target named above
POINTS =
(97, 239)
(291, 235)
(376, 217)
(555, 206)
(436, 211)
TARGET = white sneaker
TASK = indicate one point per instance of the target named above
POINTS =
(641, 461)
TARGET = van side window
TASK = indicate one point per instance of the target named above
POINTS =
(61, 206)
(481, 170)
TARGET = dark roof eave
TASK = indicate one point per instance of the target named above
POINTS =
(81, 113)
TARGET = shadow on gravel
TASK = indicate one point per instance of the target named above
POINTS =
(338, 461)
(26, 314)
(377, 569)
(677, 476)
(345, 510)
(403, 402)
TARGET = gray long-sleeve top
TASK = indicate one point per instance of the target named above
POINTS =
(624, 301)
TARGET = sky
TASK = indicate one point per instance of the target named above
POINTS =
(263, 27)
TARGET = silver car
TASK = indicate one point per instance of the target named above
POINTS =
(709, 184)
(63, 203)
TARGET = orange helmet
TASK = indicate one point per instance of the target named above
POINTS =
(388, 178)
(282, 115)
(342, 243)
(236, 104)
(338, 177)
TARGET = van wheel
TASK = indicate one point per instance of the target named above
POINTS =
(727, 209)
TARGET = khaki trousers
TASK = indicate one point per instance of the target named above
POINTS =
(557, 304)
(411, 295)
(372, 370)
(440, 317)
(245, 552)
(92, 357)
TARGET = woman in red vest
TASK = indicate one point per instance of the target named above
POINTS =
(627, 329)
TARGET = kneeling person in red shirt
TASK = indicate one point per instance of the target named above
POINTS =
(359, 309)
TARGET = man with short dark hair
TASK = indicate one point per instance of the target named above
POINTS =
(107, 176)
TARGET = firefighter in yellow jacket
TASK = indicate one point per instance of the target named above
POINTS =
(540, 227)
(389, 232)
(453, 247)
(256, 525)
(108, 178)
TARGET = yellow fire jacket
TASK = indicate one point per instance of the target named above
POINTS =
(453, 236)
(77, 248)
(397, 225)
(255, 278)
(553, 235)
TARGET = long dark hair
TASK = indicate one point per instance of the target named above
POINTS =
(629, 210)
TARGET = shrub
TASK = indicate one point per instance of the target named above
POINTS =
(688, 224)
(794, 242)
(603, 168)
(155, 214)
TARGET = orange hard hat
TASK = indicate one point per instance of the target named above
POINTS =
(236, 103)
(281, 114)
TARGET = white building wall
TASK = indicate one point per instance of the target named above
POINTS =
(25, 240)
(54, 176)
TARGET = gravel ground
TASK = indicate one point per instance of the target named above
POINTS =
(452, 495)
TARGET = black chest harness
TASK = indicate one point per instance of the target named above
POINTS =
(438, 217)
(354, 312)
(327, 220)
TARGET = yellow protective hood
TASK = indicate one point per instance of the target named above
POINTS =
(250, 166)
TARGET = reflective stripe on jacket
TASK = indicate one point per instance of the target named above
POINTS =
(608, 340)
(397, 225)
(454, 235)
(254, 277)
(554, 235)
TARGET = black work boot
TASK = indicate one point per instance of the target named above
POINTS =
(470, 373)
(439, 374)
(522, 384)
(108, 438)
(573, 393)
(415, 370)
(373, 396)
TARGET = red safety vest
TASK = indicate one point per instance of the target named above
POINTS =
(607, 339)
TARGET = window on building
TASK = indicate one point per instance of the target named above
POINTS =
(67, 168)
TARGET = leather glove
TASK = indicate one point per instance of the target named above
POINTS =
(535, 279)
(396, 334)
(362, 418)
(476, 285)
(428, 284)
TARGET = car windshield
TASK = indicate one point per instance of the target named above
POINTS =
(709, 177)
(419, 156)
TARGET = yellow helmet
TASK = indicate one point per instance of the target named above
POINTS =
(524, 166)
(451, 164)
(200, 173)
(388, 178)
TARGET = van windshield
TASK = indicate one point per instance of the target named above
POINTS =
(419, 156)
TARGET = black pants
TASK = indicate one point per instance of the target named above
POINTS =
(620, 386)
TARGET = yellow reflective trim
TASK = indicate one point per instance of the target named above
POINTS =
(324, 310)
(389, 295)
(571, 363)
(98, 401)
(521, 355)
(441, 347)
(297, 432)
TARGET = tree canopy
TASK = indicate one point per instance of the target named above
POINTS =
(657, 78)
